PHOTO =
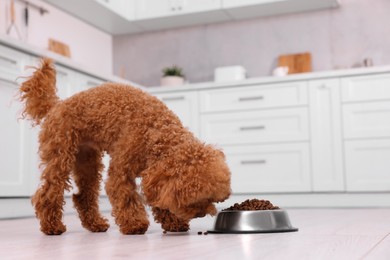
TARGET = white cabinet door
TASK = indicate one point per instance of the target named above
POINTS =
(368, 165)
(18, 167)
(242, 9)
(125, 8)
(146, 9)
(149, 9)
(326, 139)
(269, 168)
(185, 105)
(190, 6)
(240, 3)
(367, 119)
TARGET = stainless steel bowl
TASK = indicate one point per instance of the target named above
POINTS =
(258, 221)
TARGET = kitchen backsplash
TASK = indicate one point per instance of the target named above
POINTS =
(336, 38)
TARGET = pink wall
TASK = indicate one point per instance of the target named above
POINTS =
(89, 46)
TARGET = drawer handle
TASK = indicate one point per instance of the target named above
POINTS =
(173, 98)
(254, 162)
(8, 60)
(249, 128)
(241, 99)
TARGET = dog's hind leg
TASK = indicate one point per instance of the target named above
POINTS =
(169, 222)
(127, 205)
(87, 175)
(58, 159)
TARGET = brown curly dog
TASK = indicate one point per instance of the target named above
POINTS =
(181, 176)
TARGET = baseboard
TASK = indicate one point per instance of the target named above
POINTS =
(21, 207)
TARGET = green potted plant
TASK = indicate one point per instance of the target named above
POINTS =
(172, 76)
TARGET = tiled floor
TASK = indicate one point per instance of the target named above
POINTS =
(323, 234)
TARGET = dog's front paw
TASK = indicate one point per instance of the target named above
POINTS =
(179, 226)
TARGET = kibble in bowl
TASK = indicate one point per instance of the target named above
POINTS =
(252, 216)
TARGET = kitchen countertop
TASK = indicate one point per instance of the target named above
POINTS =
(64, 61)
(271, 79)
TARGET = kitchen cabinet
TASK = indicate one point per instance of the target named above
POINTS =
(326, 136)
(165, 14)
(368, 165)
(17, 168)
(147, 9)
(240, 3)
(112, 16)
(366, 128)
(134, 16)
(244, 9)
(125, 8)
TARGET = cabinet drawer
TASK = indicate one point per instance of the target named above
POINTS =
(365, 88)
(367, 120)
(263, 96)
(368, 165)
(269, 168)
(260, 126)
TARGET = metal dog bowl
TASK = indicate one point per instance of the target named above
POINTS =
(258, 221)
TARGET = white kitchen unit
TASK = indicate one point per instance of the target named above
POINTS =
(166, 14)
(134, 16)
(148, 9)
(326, 135)
(366, 118)
(244, 9)
(15, 140)
(313, 139)
(113, 16)
(125, 8)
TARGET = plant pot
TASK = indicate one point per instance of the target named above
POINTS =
(172, 81)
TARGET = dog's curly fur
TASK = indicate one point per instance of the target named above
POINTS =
(181, 176)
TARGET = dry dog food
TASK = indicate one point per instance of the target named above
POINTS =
(253, 204)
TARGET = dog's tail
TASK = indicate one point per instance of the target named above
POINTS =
(39, 92)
